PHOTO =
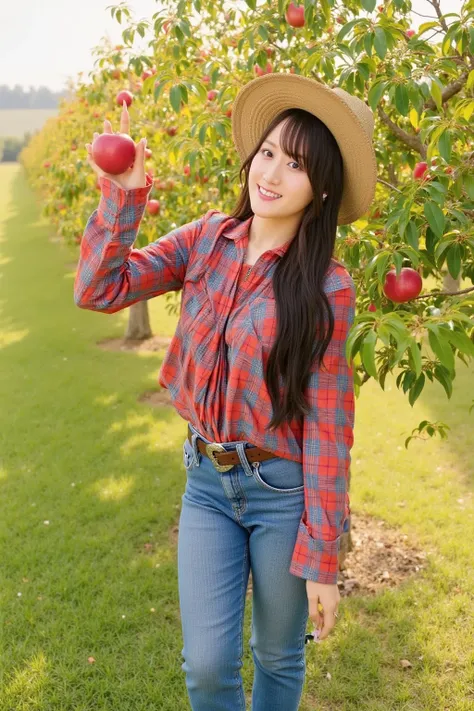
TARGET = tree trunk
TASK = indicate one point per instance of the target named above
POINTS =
(138, 327)
(450, 284)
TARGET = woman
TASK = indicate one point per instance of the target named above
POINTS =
(257, 368)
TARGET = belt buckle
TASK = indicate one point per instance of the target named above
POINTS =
(210, 450)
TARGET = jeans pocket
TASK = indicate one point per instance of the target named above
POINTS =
(188, 455)
(283, 476)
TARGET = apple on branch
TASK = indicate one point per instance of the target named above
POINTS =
(295, 15)
(407, 286)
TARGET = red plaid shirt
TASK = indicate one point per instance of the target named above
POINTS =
(214, 367)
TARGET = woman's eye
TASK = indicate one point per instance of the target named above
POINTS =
(267, 150)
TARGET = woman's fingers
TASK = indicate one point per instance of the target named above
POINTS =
(107, 126)
(125, 119)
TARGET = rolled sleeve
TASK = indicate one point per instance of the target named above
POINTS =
(328, 436)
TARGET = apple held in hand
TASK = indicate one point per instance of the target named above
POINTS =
(122, 96)
(406, 287)
(113, 152)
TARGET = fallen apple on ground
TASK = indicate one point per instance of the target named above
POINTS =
(113, 152)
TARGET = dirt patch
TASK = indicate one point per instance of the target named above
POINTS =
(381, 557)
(156, 398)
(155, 343)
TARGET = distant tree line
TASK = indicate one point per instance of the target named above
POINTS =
(40, 98)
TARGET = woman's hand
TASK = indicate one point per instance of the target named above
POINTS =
(133, 177)
(328, 596)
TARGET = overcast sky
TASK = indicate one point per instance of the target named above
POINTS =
(43, 42)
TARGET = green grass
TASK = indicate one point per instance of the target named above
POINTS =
(78, 450)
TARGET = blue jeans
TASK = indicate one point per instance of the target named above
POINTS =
(231, 522)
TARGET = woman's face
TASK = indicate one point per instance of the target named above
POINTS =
(278, 173)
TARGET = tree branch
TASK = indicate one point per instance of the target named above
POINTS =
(407, 138)
(443, 293)
(449, 91)
(441, 19)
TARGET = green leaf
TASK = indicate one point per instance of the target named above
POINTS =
(375, 93)
(175, 98)
(401, 99)
(345, 29)
(416, 356)
(411, 234)
(202, 134)
(368, 353)
(415, 391)
(368, 5)
(435, 217)
(368, 43)
(443, 377)
(444, 145)
(435, 92)
(380, 42)
(426, 26)
(453, 260)
(460, 341)
(440, 348)
(263, 32)
(382, 265)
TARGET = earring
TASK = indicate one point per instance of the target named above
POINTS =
(325, 196)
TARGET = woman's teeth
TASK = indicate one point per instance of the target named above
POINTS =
(268, 195)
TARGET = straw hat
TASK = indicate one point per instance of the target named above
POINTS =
(348, 118)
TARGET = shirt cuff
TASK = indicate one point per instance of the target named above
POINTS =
(315, 559)
(120, 196)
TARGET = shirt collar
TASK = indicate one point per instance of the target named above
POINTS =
(238, 229)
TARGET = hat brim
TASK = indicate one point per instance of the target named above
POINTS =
(259, 101)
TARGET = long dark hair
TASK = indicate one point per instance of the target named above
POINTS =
(305, 319)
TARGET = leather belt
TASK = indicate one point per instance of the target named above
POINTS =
(224, 460)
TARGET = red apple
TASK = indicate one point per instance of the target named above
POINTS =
(261, 72)
(380, 8)
(295, 15)
(171, 130)
(166, 26)
(448, 170)
(124, 95)
(116, 74)
(410, 33)
(228, 113)
(406, 287)
(211, 95)
(420, 169)
(269, 51)
(113, 152)
(153, 207)
(206, 79)
(47, 164)
(170, 184)
(372, 307)
(340, 19)
(187, 169)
